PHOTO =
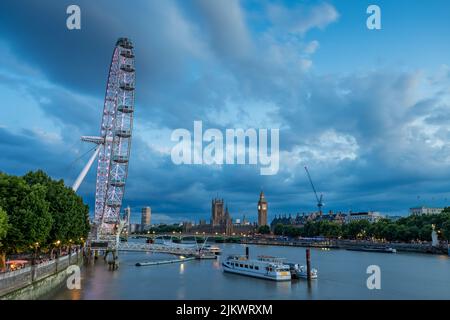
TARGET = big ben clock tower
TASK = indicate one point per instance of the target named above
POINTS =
(262, 210)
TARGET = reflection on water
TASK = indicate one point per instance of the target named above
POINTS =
(181, 268)
(342, 275)
(75, 294)
(216, 264)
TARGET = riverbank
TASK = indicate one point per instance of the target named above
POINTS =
(32, 282)
(351, 244)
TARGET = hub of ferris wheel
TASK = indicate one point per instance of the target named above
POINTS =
(112, 147)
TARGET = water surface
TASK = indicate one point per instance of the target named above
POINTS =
(342, 275)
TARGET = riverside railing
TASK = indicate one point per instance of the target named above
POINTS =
(13, 280)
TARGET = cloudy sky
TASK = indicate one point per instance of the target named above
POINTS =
(368, 111)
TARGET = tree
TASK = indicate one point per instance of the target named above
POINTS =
(446, 229)
(70, 215)
(3, 224)
(279, 229)
(413, 233)
(40, 210)
(333, 230)
(425, 232)
(264, 229)
(310, 229)
(3, 230)
(356, 229)
(33, 219)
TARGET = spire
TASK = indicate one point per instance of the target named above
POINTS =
(261, 195)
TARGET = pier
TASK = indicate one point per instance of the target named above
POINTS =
(161, 248)
(156, 263)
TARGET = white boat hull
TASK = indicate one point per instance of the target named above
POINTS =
(277, 277)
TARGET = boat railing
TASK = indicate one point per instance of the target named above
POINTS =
(237, 257)
(271, 259)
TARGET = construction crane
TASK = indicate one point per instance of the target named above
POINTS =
(320, 203)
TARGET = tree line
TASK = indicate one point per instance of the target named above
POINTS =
(38, 213)
(163, 228)
(407, 229)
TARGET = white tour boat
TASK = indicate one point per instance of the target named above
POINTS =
(214, 249)
(264, 267)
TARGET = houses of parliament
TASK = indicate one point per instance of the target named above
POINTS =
(222, 223)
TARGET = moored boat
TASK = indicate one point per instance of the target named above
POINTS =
(298, 271)
(213, 249)
(374, 249)
(264, 267)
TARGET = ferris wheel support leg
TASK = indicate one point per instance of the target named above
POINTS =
(85, 170)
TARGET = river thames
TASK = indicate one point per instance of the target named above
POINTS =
(342, 275)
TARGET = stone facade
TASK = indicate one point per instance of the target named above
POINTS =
(262, 210)
(221, 222)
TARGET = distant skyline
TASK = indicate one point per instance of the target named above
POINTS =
(366, 110)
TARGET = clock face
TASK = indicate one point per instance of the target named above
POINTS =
(259, 207)
(264, 207)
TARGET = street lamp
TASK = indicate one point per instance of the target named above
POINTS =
(58, 242)
(36, 246)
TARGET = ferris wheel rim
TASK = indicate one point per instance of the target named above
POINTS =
(116, 131)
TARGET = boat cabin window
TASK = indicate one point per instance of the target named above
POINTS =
(256, 268)
(251, 267)
(282, 269)
(241, 265)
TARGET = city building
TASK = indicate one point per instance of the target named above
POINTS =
(187, 226)
(217, 212)
(262, 210)
(418, 211)
(245, 222)
(221, 222)
(301, 219)
(146, 217)
(371, 216)
(135, 228)
(127, 216)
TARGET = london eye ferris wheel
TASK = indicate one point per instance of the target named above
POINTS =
(113, 144)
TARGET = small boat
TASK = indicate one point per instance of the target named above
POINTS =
(298, 271)
(205, 255)
(374, 249)
(159, 262)
(264, 267)
(213, 249)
